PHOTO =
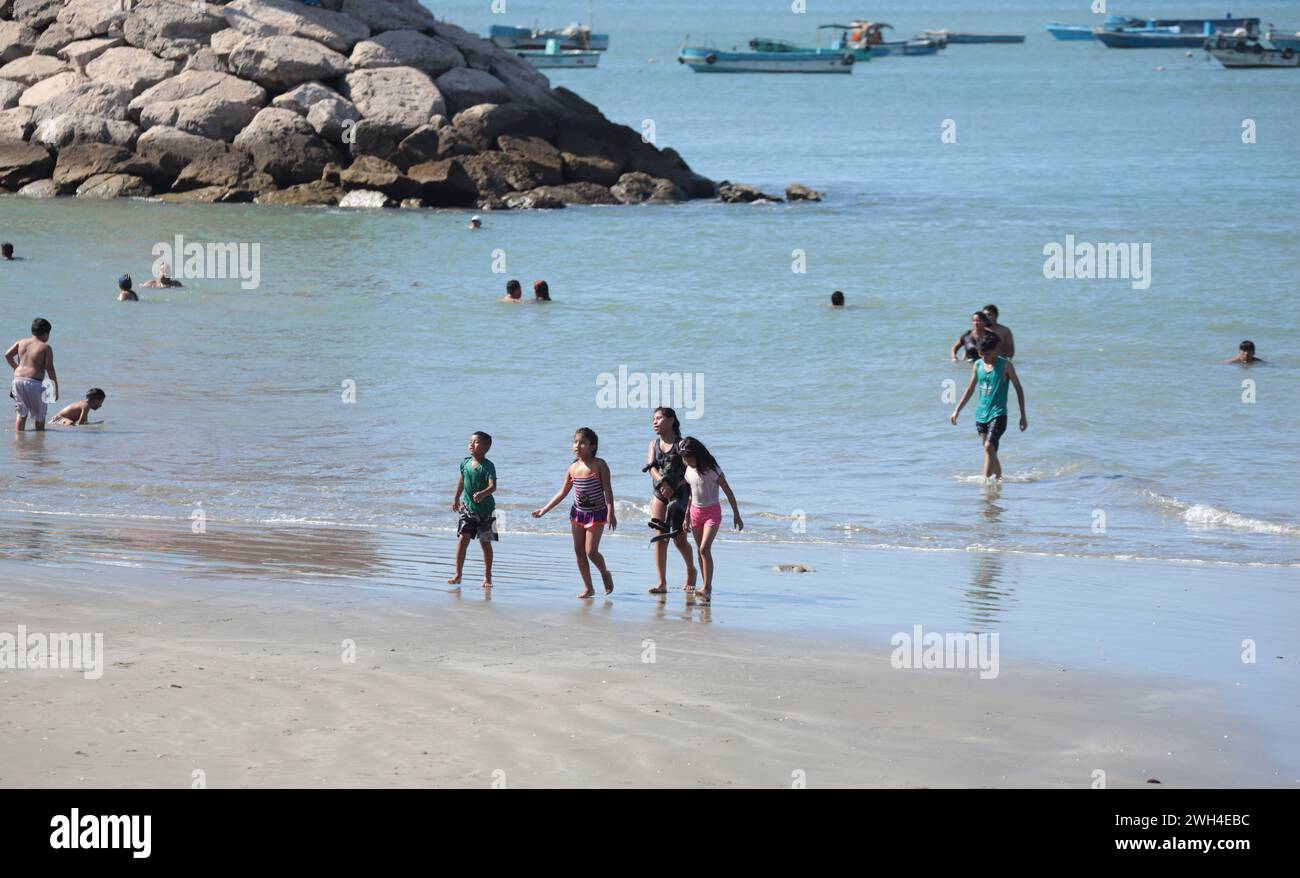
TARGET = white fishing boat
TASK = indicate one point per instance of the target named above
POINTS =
(555, 56)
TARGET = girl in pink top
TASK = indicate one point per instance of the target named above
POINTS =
(705, 478)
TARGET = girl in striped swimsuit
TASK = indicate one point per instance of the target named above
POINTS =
(592, 508)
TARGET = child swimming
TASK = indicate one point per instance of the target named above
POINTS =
(705, 478)
(76, 414)
(593, 507)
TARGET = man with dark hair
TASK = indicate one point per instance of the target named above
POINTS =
(992, 374)
(31, 358)
(1008, 347)
(1245, 354)
(514, 291)
(124, 291)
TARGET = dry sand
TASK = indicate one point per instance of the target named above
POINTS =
(247, 683)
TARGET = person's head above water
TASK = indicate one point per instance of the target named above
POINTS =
(980, 320)
(541, 291)
(514, 289)
(475, 222)
(95, 397)
(124, 283)
(837, 299)
(1247, 348)
(41, 328)
(992, 311)
(6, 250)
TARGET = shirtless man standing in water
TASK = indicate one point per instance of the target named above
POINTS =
(31, 358)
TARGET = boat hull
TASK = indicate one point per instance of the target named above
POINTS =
(905, 47)
(1070, 31)
(571, 60)
(981, 38)
(1242, 54)
(1117, 40)
(704, 60)
(526, 39)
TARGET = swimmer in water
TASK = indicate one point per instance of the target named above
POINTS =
(125, 293)
(1245, 354)
(76, 414)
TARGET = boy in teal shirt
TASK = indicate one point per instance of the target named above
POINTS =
(992, 374)
(473, 500)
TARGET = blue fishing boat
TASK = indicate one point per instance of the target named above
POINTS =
(555, 57)
(1069, 31)
(575, 37)
(1283, 39)
(763, 59)
(1174, 33)
(865, 39)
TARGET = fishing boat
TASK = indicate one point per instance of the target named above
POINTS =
(866, 39)
(1174, 33)
(1069, 31)
(575, 37)
(765, 56)
(1283, 39)
(1244, 52)
(554, 56)
(957, 37)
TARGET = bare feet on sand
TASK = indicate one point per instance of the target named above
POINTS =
(659, 589)
(609, 582)
(455, 580)
(587, 594)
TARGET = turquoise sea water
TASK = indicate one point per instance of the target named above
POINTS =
(831, 425)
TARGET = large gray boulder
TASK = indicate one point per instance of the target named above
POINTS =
(37, 14)
(55, 37)
(637, 188)
(15, 124)
(105, 100)
(171, 149)
(57, 132)
(133, 69)
(232, 174)
(407, 48)
(17, 40)
(464, 87)
(279, 63)
(290, 18)
(444, 183)
(317, 193)
(205, 103)
(32, 69)
(332, 118)
(23, 163)
(82, 52)
(382, 15)
(545, 159)
(478, 52)
(48, 89)
(370, 172)
(172, 29)
(10, 91)
(478, 128)
(400, 99)
(283, 145)
(39, 189)
(92, 18)
(587, 160)
(301, 98)
(114, 186)
(80, 162)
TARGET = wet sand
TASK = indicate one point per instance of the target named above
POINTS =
(247, 680)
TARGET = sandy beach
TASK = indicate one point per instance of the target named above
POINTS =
(248, 681)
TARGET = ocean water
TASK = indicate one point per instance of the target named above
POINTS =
(831, 425)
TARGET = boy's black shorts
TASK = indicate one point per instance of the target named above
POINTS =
(999, 425)
(476, 527)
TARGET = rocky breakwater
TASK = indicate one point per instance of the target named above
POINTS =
(353, 102)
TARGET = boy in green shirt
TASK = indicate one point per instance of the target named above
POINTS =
(992, 374)
(473, 500)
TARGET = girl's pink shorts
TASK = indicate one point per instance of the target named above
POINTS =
(702, 515)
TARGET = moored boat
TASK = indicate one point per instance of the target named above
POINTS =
(1069, 31)
(1246, 52)
(575, 37)
(959, 37)
(866, 39)
(1283, 39)
(1173, 33)
(555, 57)
(707, 59)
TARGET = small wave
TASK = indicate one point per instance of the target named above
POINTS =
(1027, 476)
(1203, 515)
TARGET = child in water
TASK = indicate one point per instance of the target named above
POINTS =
(592, 508)
(705, 478)
(77, 414)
